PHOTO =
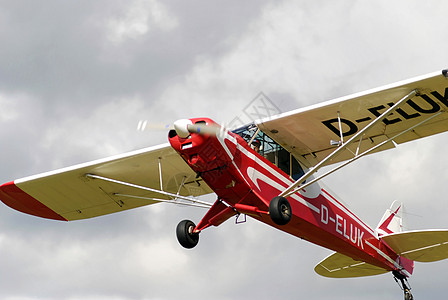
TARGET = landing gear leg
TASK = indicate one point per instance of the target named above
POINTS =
(403, 283)
(186, 235)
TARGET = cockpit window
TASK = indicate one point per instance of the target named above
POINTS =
(272, 151)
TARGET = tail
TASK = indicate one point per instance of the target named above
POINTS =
(392, 224)
(392, 220)
(415, 245)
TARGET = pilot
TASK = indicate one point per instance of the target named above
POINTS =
(256, 145)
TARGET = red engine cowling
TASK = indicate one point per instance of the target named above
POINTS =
(205, 154)
(198, 150)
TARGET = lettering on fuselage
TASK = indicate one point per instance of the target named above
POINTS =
(408, 111)
(350, 232)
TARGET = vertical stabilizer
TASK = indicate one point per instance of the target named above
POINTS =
(392, 220)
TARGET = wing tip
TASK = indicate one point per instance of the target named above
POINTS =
(12, 196)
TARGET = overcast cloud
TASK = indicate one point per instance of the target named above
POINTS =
(76, 76)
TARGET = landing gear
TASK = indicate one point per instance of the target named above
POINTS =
(408, 295)
(403, 283)
(185, 235)
(280, 210)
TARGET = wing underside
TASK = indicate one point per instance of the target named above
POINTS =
(68, 194)
(312, 133)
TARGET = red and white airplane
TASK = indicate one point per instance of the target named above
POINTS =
(266, 170)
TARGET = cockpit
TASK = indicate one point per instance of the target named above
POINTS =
(267, 147)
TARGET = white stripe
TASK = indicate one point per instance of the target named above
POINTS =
(423, 248)
(257, 175)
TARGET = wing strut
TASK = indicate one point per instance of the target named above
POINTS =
(293, 188)
(340, 129)
(187, 200)
(160, 174)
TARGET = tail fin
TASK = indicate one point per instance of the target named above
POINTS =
(392, 221)
(392, 224)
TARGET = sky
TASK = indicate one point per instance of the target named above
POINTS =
(77, 76)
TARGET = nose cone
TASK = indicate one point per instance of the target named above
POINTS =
(181, 127)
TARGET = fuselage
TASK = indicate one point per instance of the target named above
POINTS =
(245, 182)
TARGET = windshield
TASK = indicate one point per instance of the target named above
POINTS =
(272, 151)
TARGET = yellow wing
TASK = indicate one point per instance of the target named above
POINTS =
(308, 132)
(68, 194)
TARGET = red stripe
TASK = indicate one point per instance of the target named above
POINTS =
(15, 198)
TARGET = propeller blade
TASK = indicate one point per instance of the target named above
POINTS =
(146, 125)
(211, 129)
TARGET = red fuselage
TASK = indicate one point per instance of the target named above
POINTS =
(245, 182)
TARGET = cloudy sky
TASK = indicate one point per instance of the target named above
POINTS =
(76, 76)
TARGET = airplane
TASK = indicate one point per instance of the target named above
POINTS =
(267, 170)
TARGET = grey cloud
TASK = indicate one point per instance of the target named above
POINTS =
(62, 54)
(79, 96)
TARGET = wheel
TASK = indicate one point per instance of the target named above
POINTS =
(408, 295)
(280, 210)
(185, 235)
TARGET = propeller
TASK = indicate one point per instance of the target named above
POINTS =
(183, 127)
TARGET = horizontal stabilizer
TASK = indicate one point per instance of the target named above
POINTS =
(338, 265)
(421, 245)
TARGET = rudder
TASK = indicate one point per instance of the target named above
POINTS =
(392, 220)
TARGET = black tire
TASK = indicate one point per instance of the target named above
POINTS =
(185, 235)
(280, 210)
